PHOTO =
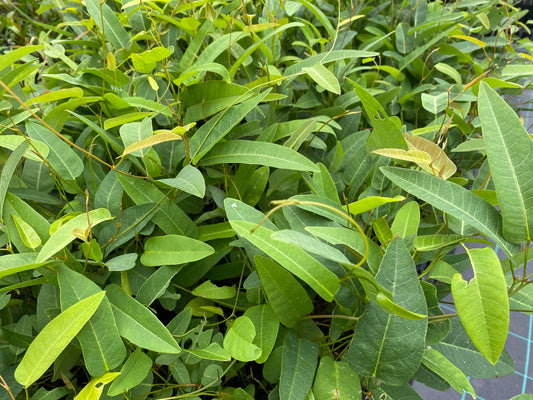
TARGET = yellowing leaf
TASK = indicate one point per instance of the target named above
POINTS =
(415, 156)
(93, 390)
(470, 39)
(150, 141)
(29, 237)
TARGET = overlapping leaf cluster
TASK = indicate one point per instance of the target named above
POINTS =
(260, 199)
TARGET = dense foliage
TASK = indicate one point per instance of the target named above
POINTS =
(231, 199)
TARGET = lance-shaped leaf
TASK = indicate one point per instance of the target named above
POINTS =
(482, 304)
(451, 374)
(94, 389)
(452, 199)
(70, 231)
(300, 358)
(137, 324)
(101, 344)
(14, 263)
(336, 380)
(286, 296)
(324, 77)
(173, 250)
(266, 328)
(149, 142)
(387, 130)
(11, 142)
(509, 151)
(258, 153)
(189, 180)
(386, 346)
(369, 203)
(53, 339)
(132, 373)
(295, 260)
(220, 125)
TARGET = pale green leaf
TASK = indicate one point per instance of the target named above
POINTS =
(286, 296)
(452, 199)
(449, 70)
(434, 242)
(149, 142)
(439, 364)
(482, 303)
(406, 221)
(238, 341)
(440, 165)
(173, 250)
(27, 234)
(257, 153)
(8, 59)
(56, 95)
(126, 118)
(68, 232)
(509, 150)
(324, 77)
(53, 339)
(11, 142)
(14, 263)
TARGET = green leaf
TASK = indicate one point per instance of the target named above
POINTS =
(434, 242)
(169, 217)
(386, 346)
(109, 24)
(94, 389)
(53, 339)
(482, 304)
(62, 158)
(220, 125)
(406, 220)
(444, 368)
(266, 328)
(459, 349)
(238, 341)
(450, 71)
(70, 231)
(173, 250)
(189, 180)
(336, 380)
(508, 148)
(324, 77)
(101, 344)
(387, 131)
(123, 262)
(209, 290)
(369, 203)
(434, 104)
(286, 296)
(212, 352)
(452, 199)
(295, 260)
(258, 153)
(137, 324)
(14, 263)
(156, 284)
(132, 373)
(300, 359)
(9, 59)
(8, 170)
